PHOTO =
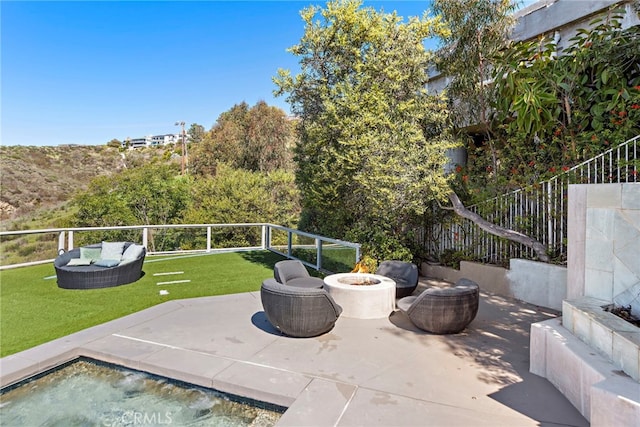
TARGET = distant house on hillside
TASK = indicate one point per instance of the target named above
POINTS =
(153, 141)
(169, 138)
(144, 141)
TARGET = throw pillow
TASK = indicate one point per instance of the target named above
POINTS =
(133, 252)
(112, 250)
(92, 254)
(79, 261)
(107, 262)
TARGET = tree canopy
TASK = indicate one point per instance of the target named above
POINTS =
(472, 34)
(196, 133)
(241, 177)
(150, 194)
(157, 194)
(115, 143)
(239, 196)
(257, 138)
(372, 145)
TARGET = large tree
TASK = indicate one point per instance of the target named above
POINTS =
(269, 139)
(474, 32)
(223, 143)
(257, 138)
(196, 133)
(372, 143)
(239, 195)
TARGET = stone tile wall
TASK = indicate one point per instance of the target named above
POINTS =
(604, 232)
(590, 355)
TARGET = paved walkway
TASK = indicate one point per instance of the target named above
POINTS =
(381, 372)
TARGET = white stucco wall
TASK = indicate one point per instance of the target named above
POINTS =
(529, 281)
(538, 283)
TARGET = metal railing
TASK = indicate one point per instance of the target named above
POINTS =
(539, 211)
(318, 252)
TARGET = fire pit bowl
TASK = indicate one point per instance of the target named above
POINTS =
(358, 279)
(362, 295)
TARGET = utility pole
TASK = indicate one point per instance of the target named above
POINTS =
(184, 147)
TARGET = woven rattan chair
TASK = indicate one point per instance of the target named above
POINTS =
(443, 310)
(92, 276)
(293, 273)
(298, 312)
(405, 274)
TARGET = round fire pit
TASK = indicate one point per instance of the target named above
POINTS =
(357, 280)
(362, 295)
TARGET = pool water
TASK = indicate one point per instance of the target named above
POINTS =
(91, 393)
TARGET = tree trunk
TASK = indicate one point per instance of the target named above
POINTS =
(497, 230)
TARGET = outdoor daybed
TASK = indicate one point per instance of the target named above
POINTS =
(102, 265)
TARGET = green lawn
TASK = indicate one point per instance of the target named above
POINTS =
(33, 310)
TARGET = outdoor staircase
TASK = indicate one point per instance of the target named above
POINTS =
(591, 355)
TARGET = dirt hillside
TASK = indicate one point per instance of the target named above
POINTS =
(33, 178)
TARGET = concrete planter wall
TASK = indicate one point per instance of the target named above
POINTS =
(529, 281)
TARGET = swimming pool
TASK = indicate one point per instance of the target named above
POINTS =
(87, 392)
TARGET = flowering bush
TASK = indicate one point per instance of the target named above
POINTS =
(553, 110)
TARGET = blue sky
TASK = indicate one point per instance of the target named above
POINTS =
(85, 72)
(88, 72)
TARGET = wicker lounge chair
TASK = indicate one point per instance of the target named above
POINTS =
(298, 312)
(294, 273)
(443, 310)
(93, 276)
(405, 274)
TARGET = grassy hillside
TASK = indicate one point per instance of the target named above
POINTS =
(34, 178)
(44, 177)
(36, 184)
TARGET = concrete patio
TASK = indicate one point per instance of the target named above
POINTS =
(381, 372)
